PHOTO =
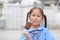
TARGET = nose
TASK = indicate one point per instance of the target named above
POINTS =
(35, 17)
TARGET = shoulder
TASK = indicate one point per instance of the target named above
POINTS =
(46, 30)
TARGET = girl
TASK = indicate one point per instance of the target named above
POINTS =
(36, 31)
(28, 24)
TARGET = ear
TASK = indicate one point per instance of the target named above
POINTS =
(29, 19)
(29, 16)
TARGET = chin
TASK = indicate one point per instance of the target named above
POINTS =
(36, 25)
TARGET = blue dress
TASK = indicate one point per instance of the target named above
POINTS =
(41, 33)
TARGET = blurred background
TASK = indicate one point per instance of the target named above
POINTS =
(13, 17)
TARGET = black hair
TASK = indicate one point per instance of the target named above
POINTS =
(45, 18)
(27, 17)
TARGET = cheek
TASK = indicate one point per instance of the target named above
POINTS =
(31, 18)
(40, 19)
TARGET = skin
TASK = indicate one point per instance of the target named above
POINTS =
(27, 36)
(36, 18)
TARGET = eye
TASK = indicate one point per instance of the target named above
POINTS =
(33, 15)
(38, 16)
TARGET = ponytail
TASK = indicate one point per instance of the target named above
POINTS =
(28, 24)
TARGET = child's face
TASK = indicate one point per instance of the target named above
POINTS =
(36, 17)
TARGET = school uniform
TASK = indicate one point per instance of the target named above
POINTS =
(41, 33)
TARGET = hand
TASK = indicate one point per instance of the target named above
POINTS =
(27, 36)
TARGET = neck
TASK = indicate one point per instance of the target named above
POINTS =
(35, 26)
